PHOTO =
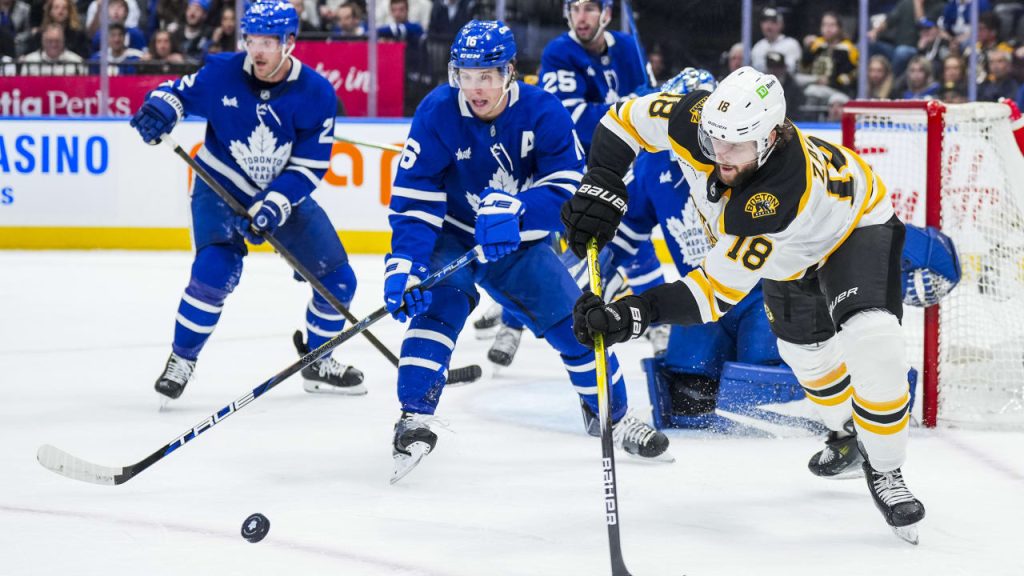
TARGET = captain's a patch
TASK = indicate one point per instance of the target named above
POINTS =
(761, 204)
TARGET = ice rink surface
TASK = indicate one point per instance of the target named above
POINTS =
(513, 488)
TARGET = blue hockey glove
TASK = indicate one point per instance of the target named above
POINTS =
(931, 266)
(497, 223)
(402, 297)
(157, 116)
(267, 215)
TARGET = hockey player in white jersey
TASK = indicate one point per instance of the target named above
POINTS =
(808, 217)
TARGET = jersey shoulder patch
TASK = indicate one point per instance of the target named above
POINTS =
(771, 200)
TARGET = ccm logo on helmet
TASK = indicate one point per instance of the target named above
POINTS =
(614, 199)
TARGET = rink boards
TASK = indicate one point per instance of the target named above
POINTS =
(92, 184)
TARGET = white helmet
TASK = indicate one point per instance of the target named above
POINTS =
(745, 107)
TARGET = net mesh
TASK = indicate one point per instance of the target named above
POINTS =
(981, 322)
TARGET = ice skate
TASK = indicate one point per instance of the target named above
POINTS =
(327, 375)
(486, 326)
(894, 500)
(632, 435)
(413, 441)
(506, 343)
(841, 458)
(176, 375)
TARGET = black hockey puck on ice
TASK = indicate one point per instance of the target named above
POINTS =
(255, 527)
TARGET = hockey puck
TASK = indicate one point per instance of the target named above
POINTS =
(255, 528)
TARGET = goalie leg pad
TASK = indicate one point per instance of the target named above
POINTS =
(824, 377)
(874, 349)
(215, 274)
(581, 365)
(323, 322)
(427, 350)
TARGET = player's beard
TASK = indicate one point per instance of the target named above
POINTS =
(740, 177)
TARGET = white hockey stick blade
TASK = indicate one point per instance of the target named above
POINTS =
(907, 533)
(59, 461)
(404, 463)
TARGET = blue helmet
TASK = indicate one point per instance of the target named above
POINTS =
(271, 18)
(604, 4)
(690, 79)
(483, 44)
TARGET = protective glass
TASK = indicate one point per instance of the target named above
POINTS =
(727, 153)
(478, 78)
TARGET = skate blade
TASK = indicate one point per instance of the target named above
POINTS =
(665, 457)
(321, 388)
(404, 463)
(163, 402)
(907, 533)
(855, 472)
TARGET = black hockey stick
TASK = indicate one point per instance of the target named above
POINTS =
(466, 374)
(611, 490)
(65, 464)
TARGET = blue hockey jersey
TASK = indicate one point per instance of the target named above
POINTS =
(659, 194)
(259, 137)
(530, 150)
(587, 84)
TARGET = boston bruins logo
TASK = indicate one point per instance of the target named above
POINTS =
(696, 109)
(761, 204)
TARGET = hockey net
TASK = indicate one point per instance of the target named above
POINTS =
(958, 167)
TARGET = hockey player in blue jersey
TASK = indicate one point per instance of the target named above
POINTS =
(588, 68)
(270, 127)
(488, 161)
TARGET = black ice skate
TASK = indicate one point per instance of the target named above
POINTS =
(176, 375)
(327, 375)
(899, 507)
(841, 458)
(632, 435)
(506, 343)
(486, 326)
(413, 441)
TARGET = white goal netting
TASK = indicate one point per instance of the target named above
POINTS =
(981, 186)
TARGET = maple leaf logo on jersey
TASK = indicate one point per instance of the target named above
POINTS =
(260, 156)
(689, 234)
(504, 181)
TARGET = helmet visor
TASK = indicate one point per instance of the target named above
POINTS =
(478, 78)
(727, 153)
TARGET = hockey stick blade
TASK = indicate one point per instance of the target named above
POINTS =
(465, 375)
(63, 463)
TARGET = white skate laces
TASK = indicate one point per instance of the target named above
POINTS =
(327, 367)
(631, 430)
(179, 369)
(891, 489)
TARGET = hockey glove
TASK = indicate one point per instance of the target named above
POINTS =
(619, 321)
(157, 116)
(402, 296)
(267, 216)
(497, 223)
(594, 211)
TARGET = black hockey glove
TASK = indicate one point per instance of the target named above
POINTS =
(619, 321)
(594, 211)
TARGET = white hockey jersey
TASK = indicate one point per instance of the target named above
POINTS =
(792, 214)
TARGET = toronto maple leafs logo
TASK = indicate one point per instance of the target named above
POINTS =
(260, 156)
(688, 234)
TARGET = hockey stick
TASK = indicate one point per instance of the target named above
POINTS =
(611, 491)
(465, 374)
(388, 147)
(59, 461)
(627, 12)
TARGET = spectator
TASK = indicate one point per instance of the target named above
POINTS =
(988, 40)
(328, 11)
(118, 52)
(170, 15)
(117, 13)
(659, 67)
(777, 65)
(832, 60)
(349, 21)
(774, 41)
(53, 59)
(879, 78)
(163, 49)
(194, 36)
(931, 45)
(954, 76)
(956, 21)
(920, 83)
(224, 38)
(131, 19)
(7, 45)
(419, 12)
(733, 59)
(64, 14)
(15, 18)
(999, 84)
(448, 16)
(305, 25)
(401, 28)
(896, 36)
